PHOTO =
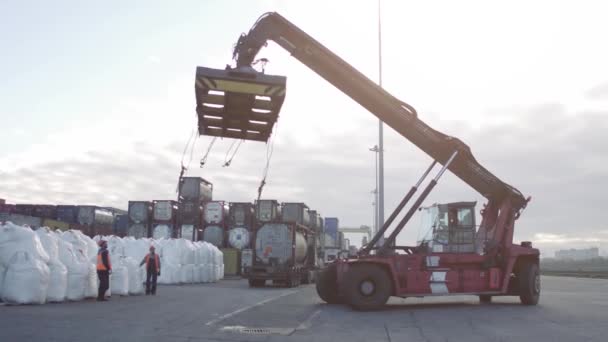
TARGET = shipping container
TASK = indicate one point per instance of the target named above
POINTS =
(165, 210)
(195, 189)
(55, 224)
(239, 237)
(24, 220)
(45, 211)
(140, 211)
(67, 213)
(232, 261)
(241, 214)
(296, 213)
(332, 225)
(190, 213)
(187, 231)
(25, 209)
(121, 225)
(277, 243)
(93, 216)
(7, 208)
(138, 231)
(162, 231)
(267, 210)
(215, 213)
(214, 235)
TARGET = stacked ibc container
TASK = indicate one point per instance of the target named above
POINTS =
(295, 213)
(140, 218)
(215, 218)
(164, 217)
(193, 192)
(267, 210)
(93, 220)
(121, 225)
(240, 225)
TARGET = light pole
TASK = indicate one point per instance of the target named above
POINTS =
(377, 224)
(380, 167)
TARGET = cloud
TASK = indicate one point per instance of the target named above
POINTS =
(153, 59)
(599, 92)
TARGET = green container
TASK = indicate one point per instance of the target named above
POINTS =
(232, 261)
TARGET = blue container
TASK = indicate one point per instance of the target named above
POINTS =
(67, 213)
(121, 224)
(332, 224)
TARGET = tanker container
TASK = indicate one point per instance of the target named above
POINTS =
(279, 254)
(121, 225)
(214, 235)
(296, 213)
(163, 230)
(190, 213)
(195, 189)
(267, 211)
(239, 238)
(165, 211)
(215, 213)
(67, 213)
(314, 220)
(241, 214)
(140, 217)
(100, 220)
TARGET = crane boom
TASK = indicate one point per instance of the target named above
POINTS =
(395, 113)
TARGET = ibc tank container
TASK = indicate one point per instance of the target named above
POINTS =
(267, 210)
(138, 231)
(241, 214)
(187, 232)
(139, 211)
(215, 212)
(274, 243)
(196, 189)
(214, 235)
(295, 212)
(190, 212)
(238, 237)
(164, 210)
(93, 216)
(161, 231)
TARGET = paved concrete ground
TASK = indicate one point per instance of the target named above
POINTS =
(570, 310)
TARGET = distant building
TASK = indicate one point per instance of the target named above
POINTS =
(577, 254)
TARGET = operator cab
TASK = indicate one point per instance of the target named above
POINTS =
(449, 228)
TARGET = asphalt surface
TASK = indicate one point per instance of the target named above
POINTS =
(570, 309)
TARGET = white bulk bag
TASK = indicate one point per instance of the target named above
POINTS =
(186, 274)
(119, 279)
(26, 280)
(58, 282)
(92, 281)
(14, 238)
(48, 239)
(135, 277)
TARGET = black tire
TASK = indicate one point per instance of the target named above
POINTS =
(529, 284)
(485, 299)
(326, 285)
(367, 287)
(257, 282)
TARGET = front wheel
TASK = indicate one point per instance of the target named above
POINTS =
(529, 284)
(326, 285)
(367, 287)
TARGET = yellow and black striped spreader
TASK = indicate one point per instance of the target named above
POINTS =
(237, 103)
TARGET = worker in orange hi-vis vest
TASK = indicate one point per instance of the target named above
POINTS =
(104, 269)
(152, 261)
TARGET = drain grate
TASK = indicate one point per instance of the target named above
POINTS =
(258, 331)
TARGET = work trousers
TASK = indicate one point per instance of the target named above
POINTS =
(151, 278)
(104, 283)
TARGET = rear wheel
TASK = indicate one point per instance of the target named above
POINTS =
(367, 287)
(485, 299)
(256, 282)
(529, 284)
(326, 285)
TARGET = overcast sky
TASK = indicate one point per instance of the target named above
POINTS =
(97, 104)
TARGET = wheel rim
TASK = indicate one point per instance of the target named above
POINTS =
(367, 288)
(537, 284)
